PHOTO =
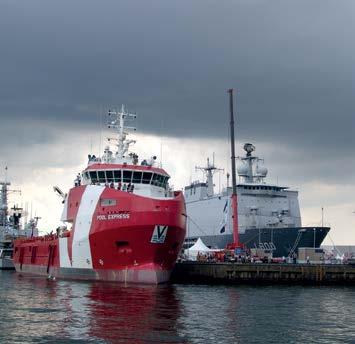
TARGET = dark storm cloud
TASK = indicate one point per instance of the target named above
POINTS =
(173, 61)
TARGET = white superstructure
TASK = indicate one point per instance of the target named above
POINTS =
(121, 168)
(260, 204)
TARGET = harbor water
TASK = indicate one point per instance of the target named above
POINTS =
(37, 310)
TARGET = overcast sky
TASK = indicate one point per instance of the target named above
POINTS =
(65, 63)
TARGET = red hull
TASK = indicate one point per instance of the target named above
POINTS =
(116, 236)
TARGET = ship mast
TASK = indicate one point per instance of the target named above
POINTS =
(210, 169)
(235, 243)
(3, 204)
(4, 201)
(117, 122)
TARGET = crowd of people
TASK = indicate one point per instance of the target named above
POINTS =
(227, 255)
(121, 187)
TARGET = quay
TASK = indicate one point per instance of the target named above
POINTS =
(263, 273)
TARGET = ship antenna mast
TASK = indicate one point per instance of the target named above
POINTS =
(117, 121)
(209, 169)
(4, 199)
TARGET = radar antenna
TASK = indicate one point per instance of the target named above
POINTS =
(249, 148)
(209, 170)
(250, 170)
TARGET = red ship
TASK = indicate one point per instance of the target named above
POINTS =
(123, 221)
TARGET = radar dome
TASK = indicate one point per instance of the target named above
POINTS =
(249, 148)
(261, 171)
(243, 170)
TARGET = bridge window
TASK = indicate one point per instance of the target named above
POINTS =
(155, 180)
(93, 177)
(166, 182)
(161, 180)
(117, 175)
(102, 177)
(147, 176)
(127, 176)
(137, 177)
(109, 176)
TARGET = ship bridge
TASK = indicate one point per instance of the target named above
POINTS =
(130, 174)
(121, 169)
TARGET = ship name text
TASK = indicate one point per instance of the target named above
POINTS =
(110, 217)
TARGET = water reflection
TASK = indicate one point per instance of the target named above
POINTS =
(136, 314)
(40, 310)
(35, 310)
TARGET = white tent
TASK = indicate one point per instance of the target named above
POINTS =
(199, 246)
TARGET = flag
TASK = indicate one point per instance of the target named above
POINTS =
(223, 223)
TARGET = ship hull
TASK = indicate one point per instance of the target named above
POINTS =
(6, 264)
(140, 261)
(6, 252)
(281, 241)
(137, 240)
(148, 275)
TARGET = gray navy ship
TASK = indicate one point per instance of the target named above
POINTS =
(11, 227)
(268, 215)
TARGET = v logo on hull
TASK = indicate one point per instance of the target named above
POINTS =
(159, 234)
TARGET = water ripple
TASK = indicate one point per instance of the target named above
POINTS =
(36, 310)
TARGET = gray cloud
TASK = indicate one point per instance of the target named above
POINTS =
(64, 63)
(292, 62)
